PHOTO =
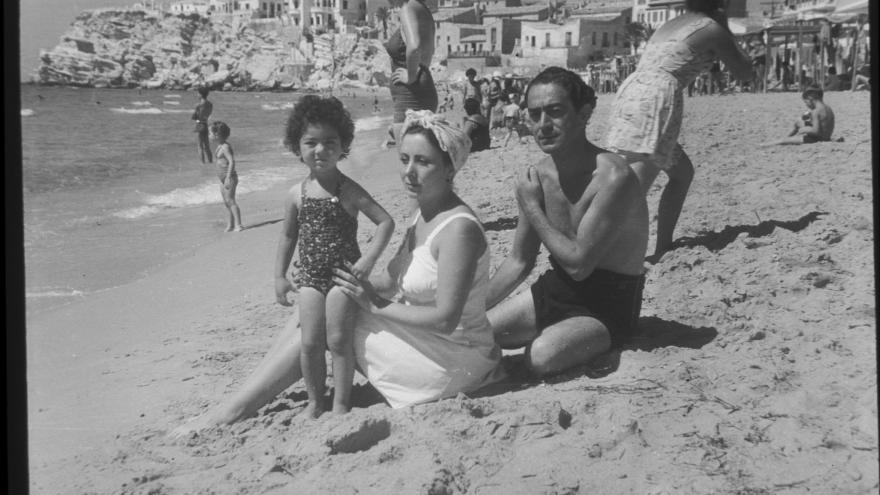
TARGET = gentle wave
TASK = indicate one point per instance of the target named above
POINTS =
(26, 112)
(171, 102)
(270, 107)
(371, 123)
(63, 292)
(204, 194)
(141, 103)
(150, 110)
(172, 96)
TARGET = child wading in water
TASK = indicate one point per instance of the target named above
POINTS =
(321, 216)
(227, 175)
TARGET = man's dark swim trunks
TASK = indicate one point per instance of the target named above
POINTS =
(809, 138)
(612, 298)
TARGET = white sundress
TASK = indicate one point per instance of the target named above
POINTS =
(410, 365)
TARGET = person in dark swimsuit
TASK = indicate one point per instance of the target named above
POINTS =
(411, 48)
(321, 217)
(200, 115)
(227, 174)
(476, 126)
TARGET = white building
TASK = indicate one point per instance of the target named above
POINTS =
(322, 15)
(200, 7)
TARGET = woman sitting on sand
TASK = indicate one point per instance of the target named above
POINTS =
(647, 113)
(421, 333)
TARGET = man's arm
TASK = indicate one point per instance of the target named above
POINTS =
(579, 255)
(518, 264)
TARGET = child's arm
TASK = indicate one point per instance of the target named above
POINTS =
(384, 228)
(816, 128)
(226, 151)
(286, 246)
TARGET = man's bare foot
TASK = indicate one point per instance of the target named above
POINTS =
(313, 410)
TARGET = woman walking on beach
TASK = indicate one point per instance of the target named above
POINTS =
(647, 113)
(421, 333)
(411, 48)
(200, 115)
(227, 174)
(321, 216)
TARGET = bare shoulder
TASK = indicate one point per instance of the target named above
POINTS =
(612, 170)
(294, 196)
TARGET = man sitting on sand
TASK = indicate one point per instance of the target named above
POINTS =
(815, 125)
(585, 205)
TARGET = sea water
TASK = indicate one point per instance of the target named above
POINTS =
(113, 186)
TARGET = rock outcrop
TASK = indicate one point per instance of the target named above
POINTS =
(129, 48)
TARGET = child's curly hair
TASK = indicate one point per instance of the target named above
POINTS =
(220, 129)
(313, 109)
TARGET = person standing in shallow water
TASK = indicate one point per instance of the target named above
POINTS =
(201, 115)
(227, 174)
(647, 113)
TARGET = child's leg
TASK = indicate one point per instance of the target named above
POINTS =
(341, 313)
(672, 200)
(314, 338)
(233, 206)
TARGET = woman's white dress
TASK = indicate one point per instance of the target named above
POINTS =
(410, 365)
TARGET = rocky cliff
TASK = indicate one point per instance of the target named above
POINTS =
(134, 48)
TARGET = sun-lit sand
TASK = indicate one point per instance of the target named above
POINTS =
(755, 370)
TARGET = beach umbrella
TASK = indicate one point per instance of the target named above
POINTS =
(851, 7)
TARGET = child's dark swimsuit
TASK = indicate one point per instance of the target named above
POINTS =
(327, 236)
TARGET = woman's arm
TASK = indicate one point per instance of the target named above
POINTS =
(459, 247)
(735, 59)
(413, 38)
(286, 246)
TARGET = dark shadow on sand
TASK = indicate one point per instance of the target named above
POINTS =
(716, 241)
(508, 223)
(654, 333)
(263, 224)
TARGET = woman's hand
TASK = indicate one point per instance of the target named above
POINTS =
(400, 76)
(359, 291)
(361, 269)
(227, 184)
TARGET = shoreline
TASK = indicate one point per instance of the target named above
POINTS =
(757, 362)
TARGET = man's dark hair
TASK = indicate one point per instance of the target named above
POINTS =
(221, 129)
(832, 71)
(813, 91)
(203, 91)
(311, 110)
(470, 72)
(579, 92)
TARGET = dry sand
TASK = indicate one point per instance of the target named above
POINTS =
(755, 371)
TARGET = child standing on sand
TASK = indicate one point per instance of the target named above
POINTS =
(227, 175)
(815, 125)
(321, 216)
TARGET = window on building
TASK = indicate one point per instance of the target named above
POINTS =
(604, 40)
(492, 36)
(533, 41)
(546, 39)
(615, 39)
(594, 38)
(567, 39)
(345, 4)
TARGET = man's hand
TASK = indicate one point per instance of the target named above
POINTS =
(400, 76)
(529, 193)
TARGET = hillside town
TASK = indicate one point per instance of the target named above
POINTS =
(287, 44)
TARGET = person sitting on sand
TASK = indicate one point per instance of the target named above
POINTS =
(476, 127)
(200, 115)
(832, 80)
(320, 215)
(815, 125)
(421, 332)
(227, 174)
(586, 206)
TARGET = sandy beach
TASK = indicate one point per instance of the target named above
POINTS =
(754, 371)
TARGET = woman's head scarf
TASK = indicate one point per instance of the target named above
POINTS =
(453, 141)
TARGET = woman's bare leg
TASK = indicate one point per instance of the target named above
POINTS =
(672, 200)
(278, 370)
